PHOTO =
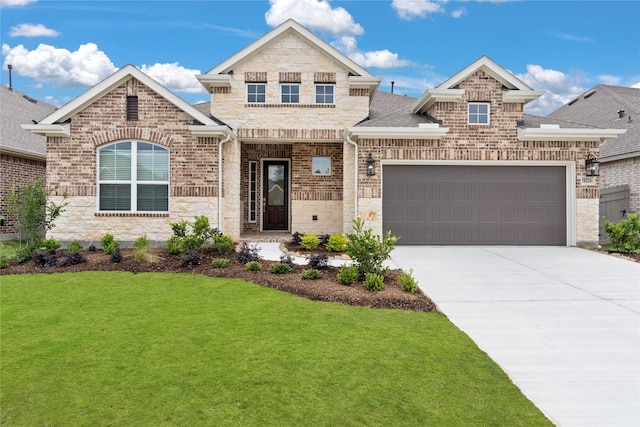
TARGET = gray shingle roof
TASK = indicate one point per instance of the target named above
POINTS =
(599, 107)
(531, 121)
(391, 110)
(15, 109)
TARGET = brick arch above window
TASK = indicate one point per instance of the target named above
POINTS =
(106, 137)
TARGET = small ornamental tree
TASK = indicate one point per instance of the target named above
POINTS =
(367, 250)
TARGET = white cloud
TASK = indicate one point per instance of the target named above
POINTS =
(409, 9)
(636, 86)
(16, 3)
(608, 79)
(314, 14)
(85, 67)
(174, 77)
(32, 30)
(458, 13)
(559, 88)
(379, 59)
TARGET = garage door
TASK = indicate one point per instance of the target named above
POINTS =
(475, 205)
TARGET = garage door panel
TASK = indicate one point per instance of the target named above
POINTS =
(475, 204)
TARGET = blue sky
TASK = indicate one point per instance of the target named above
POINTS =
(60, 48)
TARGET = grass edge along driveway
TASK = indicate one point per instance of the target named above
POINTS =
(99, 348)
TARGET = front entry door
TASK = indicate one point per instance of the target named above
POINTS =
(275, 195)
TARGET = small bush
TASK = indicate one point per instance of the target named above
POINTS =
(142, 250)
(408, 282)
(174, 245)
(310, 241)
(115, 256)
(5, 262)
(74, 246)
(44, 259)
(624, 235)
(23, 255)
(179, 228)
(109, 244)
(295, 238)
(348, 274)
(280, 268)
(191, 243)
(337, 243)
(286, 259)
(51, 245)
(220, 263)
(73, 258)
(253, 266)
(224, 244)
(317, 261)
(191, 259)
(311, 274)
(373, 281)
(367, 250)
(248, 253)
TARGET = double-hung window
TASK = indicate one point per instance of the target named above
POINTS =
(290, 93)
(133, 176)
(478, 113)
(256, 93)
(324, 94)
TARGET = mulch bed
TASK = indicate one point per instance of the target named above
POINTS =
(326, 288)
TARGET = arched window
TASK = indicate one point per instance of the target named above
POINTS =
(133, 176)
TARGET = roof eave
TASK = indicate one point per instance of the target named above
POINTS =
(567, 134)
(211, 131)
(48, 129)
(23, 153)
(209, 81)
(357, 133)
(431, 96)
(523, 96)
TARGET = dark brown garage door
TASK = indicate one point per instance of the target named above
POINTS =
(475, 205)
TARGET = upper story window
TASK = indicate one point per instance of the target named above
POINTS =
(479, 113)
(290, 93)
(132, 108)
(324, 94)
(133, 176)
(257, 93)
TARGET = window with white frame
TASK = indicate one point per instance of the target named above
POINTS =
(256, 93)
(324, 94)
(133, 176)
(321, 165)
(290, 93)
(479, 113)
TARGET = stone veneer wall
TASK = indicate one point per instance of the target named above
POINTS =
(623, 172)
(16, 172)
(72, 167)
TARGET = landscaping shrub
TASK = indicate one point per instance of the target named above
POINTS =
(310, 241)
(337, 243)
(73, 258)
(180, 228)
(5, 262)
(311, 274)
(373, 281)
(248, 253)
(295, 238)
(44, 259)
(253, 266)
(317, 261)
(324, 239)
(116, 255)
(74, 246)
(23, 255)
(184, 241)
(280, 268)
(51, 245)
(348, 274)
(190, 243)
(174, 245)
(191, 259)
(408, 282)
(224, 244)
(624, 235)
(142, 250)
(220, 263)
(109, 244)
(286, 259)
(367, 250)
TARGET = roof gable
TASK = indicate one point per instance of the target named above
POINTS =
(516, 89)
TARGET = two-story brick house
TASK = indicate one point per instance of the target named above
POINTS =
(297, 138)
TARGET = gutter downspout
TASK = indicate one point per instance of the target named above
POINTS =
(222, 141)
(355, 182)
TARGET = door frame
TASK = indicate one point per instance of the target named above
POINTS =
(287, 190)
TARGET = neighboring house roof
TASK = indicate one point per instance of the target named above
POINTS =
(54, 124)
(17, 108)
(220, 75)
(604, 106)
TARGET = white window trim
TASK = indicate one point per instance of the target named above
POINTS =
(315, 93)
(133, 183)
(488, 104)
(256, 102)
(314, 173)
(289, 84)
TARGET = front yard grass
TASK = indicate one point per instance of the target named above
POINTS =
(111, 348)
(8, 248)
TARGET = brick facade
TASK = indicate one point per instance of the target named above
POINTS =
(16, 172)
(623, 172)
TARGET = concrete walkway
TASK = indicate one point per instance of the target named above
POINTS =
(563, 323)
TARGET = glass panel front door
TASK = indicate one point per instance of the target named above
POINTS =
(275, 196)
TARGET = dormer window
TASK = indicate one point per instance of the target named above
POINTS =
(256, 93)
(479, 113)
(132, 108)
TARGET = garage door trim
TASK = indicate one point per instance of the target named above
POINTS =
(570, 179)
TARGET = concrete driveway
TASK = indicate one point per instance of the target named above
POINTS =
(563, 323)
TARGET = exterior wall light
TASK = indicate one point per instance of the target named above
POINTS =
(592, 165)
(371, 165)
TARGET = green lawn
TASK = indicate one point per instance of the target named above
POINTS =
(9, 248)
(186, 350)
